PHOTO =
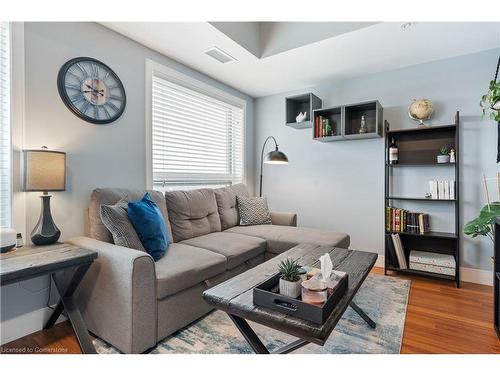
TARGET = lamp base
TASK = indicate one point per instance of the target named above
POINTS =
(46, 231)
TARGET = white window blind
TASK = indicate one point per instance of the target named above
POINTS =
(197, 139)
(5, 144)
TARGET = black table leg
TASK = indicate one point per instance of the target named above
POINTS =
(362, 314)
(256, 344)
(67, 303)
(249, 334)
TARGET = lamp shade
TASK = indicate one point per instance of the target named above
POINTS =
(276, 157)
(44, 170)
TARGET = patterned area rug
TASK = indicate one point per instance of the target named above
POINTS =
(383, 298)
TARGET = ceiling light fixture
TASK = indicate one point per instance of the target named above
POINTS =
(219, 55)
(406, 26)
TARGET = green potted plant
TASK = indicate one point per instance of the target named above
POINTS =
(290, 281)
(490, 102)
(483, 224)
(444, 155)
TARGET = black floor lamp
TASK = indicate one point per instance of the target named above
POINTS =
(273, 157)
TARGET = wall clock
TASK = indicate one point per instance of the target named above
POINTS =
(91, 90)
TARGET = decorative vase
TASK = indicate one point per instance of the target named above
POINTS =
(290, 288)
(443, 159)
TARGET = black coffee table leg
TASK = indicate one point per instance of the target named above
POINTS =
(256, 344)
(362, 314)
(67, 303)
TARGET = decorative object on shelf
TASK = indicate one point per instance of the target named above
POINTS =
(301, 117)
(444, 155)
(44, 171)
(393, 152)
(290, 281)
(452, 156)
(273, 157)
(420, 110)
(362, 128)
(483, 224)
(428, 195)
(19, 240)
(7, 239)
(490, 102)
(91, 90)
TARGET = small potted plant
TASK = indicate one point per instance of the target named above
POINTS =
(444, 155)
(290, 281)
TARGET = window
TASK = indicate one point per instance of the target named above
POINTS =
(5, 143)
(196, 137)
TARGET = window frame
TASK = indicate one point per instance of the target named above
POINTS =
(159, 70)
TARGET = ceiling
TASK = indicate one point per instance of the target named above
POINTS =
(275, 57)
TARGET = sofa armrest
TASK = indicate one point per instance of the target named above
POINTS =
(117, 296)
(284, 218)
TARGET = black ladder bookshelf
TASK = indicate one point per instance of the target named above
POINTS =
(417, 148)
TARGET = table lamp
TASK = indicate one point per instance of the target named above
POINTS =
(44, 170)
(273, 157)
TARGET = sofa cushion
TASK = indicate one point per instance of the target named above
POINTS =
(281, 238)
(253, 211)
(227, 204)
(184, 266)
(237, 248)
(149, 225)
(110, 196)
(192, 213)
(116, 220)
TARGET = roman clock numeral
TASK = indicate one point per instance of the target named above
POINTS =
(85, 107)
(106, 112)
(82, 68)
(95, 70)
(113, 106)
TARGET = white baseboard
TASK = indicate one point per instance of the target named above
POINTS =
(25, 324)
(471, 275)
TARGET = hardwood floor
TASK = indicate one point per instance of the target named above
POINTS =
(440, 319)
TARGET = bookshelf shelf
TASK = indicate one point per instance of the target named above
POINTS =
(431, 234)
(301, 103)
(421, 273)
(343, 123)
(421, 199)
(418, 148)
(421, 165)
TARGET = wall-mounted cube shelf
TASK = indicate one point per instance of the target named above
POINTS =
(301, 103)
(344, 122)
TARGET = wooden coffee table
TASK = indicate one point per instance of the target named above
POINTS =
(235, 297)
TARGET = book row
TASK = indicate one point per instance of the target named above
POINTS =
(442, 189)
(401, 220)
(324, 127)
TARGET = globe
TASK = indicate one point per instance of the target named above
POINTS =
(421, 109)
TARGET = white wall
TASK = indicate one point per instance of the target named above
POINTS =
(340, 185)
(97, 155)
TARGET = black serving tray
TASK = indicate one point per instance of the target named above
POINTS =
(266, 294)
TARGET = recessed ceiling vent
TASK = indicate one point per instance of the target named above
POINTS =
(219, 55)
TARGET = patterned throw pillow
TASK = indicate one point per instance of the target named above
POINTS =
(253, 211)
(115, 218)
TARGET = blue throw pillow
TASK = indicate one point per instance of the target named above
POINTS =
(150, 226)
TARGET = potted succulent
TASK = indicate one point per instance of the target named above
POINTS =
(290, 281)
(444, 155)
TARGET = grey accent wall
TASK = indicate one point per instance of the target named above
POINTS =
(97, 155)
(340, 185)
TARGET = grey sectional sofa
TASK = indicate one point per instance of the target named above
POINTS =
(132, 302)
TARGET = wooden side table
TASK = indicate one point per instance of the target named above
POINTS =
(33, 261)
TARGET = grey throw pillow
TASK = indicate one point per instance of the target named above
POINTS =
(115, 218)
(253, 211)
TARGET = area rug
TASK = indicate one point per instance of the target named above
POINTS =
(383, 298)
